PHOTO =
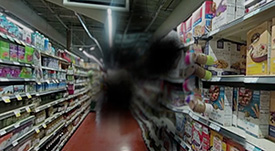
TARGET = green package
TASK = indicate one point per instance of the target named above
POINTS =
(4, 50)
(26, 73)
(29, 54)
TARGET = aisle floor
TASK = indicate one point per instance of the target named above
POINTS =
(107, 131)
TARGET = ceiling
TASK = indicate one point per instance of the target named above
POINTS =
(133, 28)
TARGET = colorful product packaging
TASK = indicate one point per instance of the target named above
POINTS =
(13, 52)
(201, 19)
(181, 29)
(21, 54)
(240, 8)
(271, 131)
(235, 50)
(201, 137)
(258, 40)
(6, 90)
(235, 106)
(233, 146)
(4, 50)
(26, 73)
(221, 99)
(221, 53)
(29, 54)
(217, 141)
(18, 89)
(224, 12)
(189, 32)
(253, 111)
(243, 53)
(188, 130)
(272, 57)
(180, 124)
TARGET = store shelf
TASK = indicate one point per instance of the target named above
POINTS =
(15, 79)
(47, 138)
(21, 139)
(73, 107)
(245, 23)
(14, 111)
(81, 84)
(10, 128)
(71, 133)
(81, 75)
(50, 104)
(75, 116)
(182, 142)
(244, 79)
(78, 66)
(48, 120)
(8, 62)
(50, 92)
(14, 96)
(52, 56)
(53, 69)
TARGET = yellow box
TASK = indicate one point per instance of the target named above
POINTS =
(217, 141)
(258, 45)
(272, 57)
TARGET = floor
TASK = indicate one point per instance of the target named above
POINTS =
(108, 130)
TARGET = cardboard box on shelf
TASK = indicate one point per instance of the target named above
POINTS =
(217, 141)
(201, 137)
(271, 131)
(181, 29)
(221, 53)
(224, 12)
(202, 19)
(235, 106)
(235, 52)
(189, 31)
(253, 111)
(240, 8)
(221, 99)
(272, 57)
(258, 43)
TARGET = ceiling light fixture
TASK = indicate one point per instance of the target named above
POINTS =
(92, 48)
(80, 49)
(110, 26)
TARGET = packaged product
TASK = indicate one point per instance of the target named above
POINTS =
(181, 29)
(180, 124)
(243, 53)
(189, 32)
(4, 50)
(13, 52)
(5, 71)
(201, 19)
(29, 54)
(18, 89)
(235, 51)
(21, 54)
(272, 57)
(253, 111)
(188, 130)
(235, 106)
(220, 51)
(6, 90)
(26, 72)
(223, 12)
(271, 131)
(258, 40)
(221, 99)
(217, 141)
(201, 137)
(4, 140)
(233, 146)
(240, 8)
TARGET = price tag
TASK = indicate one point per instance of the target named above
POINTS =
(17, 41)
(249, 147)
(14, 143)
(195, 117)
(37, 130)
(28, 109)
(3, 35)
(10, 38)
(44, 125)
(54, 81)
(215, 127)
(17, 113)
(4, 79)
(28, 95)
(6, 99)
(48, 81)
(16, 63)
(2, 132)
(38, 82)
(19, 98)
(23, 43)
(251, 80)
(16, 125)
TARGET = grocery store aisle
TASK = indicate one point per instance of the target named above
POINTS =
(109, 130)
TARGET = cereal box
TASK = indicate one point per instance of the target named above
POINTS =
(223, 12)
(181, 29)
(217, 141)
(202, 18)
(258, 40)
(253, 111)
(235, 106)
(221, 99)
(189, 33)
(233, 146)
(272, 57)
(220, 51)
(201, 137)
(271, 131)
(235, 50)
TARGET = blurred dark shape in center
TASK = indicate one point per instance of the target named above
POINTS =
(119, 89)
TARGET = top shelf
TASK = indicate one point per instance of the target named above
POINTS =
(58, 58)
(244, 79)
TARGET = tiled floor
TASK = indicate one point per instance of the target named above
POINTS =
(107, 131)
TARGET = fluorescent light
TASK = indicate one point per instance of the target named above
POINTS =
(80, 49)
(110, 26)
(92, 48)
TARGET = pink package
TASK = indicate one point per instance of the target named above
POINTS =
(188, 33)
(5, 71)
(15, 72)
(181, 32)
(202, 19)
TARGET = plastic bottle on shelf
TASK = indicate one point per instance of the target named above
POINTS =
(197, 105)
